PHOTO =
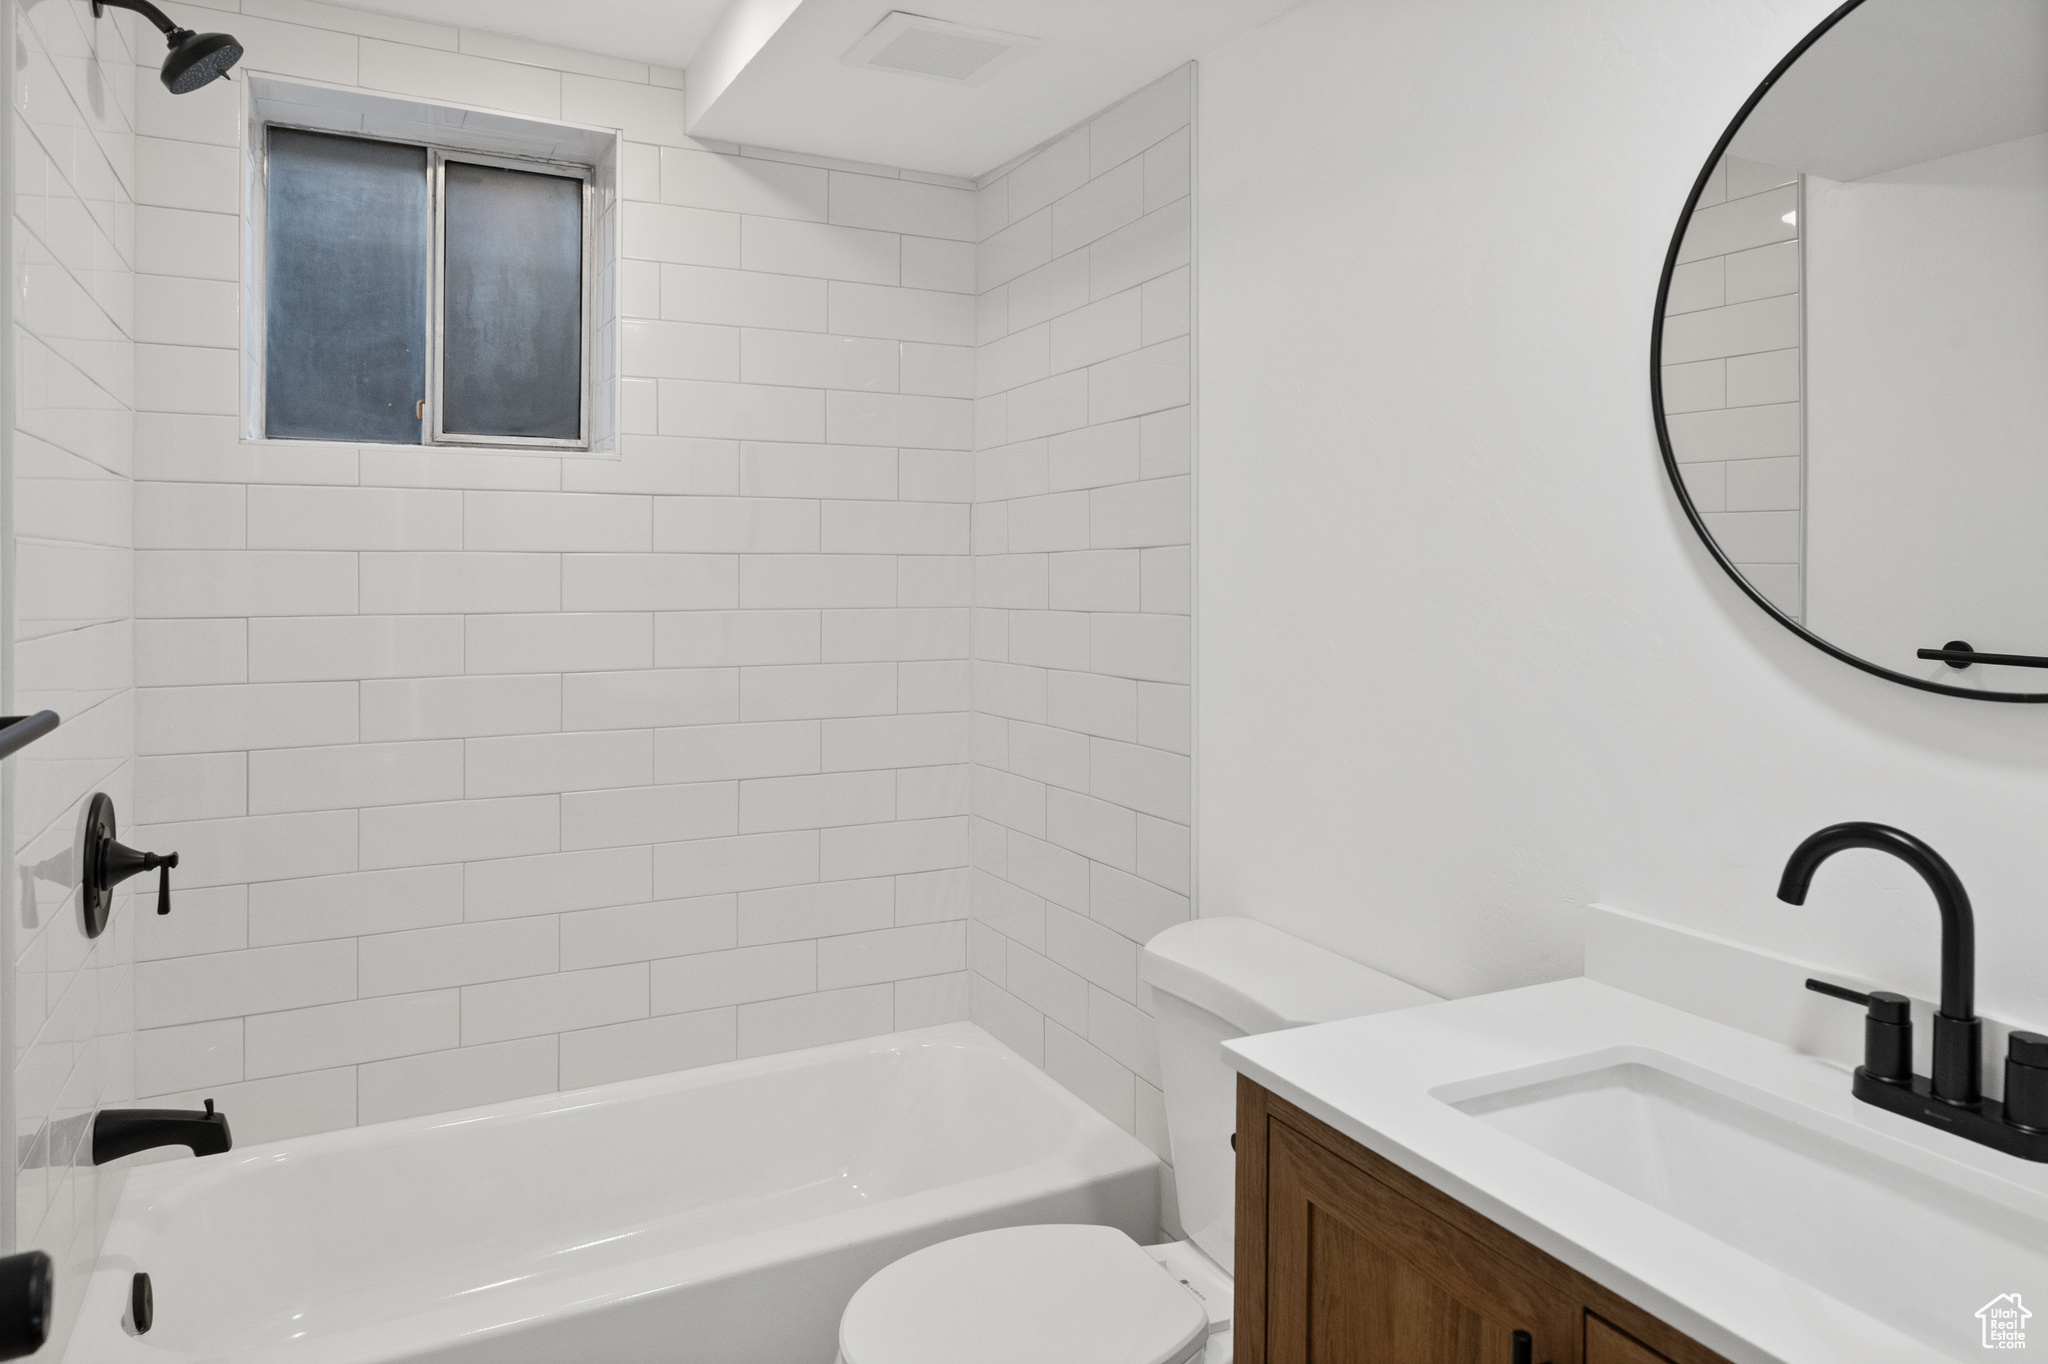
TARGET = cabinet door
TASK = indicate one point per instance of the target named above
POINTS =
(1358, 1274)
(1607, 1345)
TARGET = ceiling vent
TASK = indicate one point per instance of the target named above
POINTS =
(913, 45)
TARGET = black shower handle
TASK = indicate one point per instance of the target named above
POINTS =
(118, 862)
(105, 862)
(163, 882)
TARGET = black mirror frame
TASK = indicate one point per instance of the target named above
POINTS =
(1671, 468)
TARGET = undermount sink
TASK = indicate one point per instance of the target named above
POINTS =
(1796, 1190)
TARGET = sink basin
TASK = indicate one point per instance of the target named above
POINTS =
(1799, 1190)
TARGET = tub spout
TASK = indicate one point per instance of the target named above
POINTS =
(118, 1132)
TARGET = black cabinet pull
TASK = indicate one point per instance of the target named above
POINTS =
(1525, 1349)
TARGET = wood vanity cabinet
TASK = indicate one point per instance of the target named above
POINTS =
(1344, 1258)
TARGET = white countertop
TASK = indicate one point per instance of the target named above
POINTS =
(1372, 1078)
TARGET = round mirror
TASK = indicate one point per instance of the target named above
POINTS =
(1850, 357)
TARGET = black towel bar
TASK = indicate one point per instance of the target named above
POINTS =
(19, 731)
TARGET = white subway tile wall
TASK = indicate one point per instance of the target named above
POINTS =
(1732, 373)
(496, 773)
(1082, 523)
(76, 317)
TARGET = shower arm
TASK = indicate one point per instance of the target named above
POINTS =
(143, 8)
(193, 59)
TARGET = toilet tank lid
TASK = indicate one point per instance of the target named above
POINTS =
(1257, 978)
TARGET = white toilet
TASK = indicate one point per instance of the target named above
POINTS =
(1092, 1295)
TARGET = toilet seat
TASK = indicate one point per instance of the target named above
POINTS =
(1024, 1295)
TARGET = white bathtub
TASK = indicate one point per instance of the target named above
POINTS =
(722, 1215)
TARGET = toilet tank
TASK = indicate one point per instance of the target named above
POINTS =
(1215, 979)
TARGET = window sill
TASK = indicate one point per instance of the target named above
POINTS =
(515, 451)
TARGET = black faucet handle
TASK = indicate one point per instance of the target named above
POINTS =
(1887, 1030)
(1834, 991)
(105, 862)
(1884, 1006)
(163, 881)
(2026, 1081)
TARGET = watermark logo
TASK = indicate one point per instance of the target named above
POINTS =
(2005, 1322)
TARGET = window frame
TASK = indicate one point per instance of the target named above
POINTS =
(432, 434)
(437, 258)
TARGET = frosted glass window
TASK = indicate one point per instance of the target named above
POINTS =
(417, 294)
(345, 335)
(512, 303)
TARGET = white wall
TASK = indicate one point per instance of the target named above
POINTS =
(69, 454)
(1463, 668)
(1081, 527)
(495, 773)
(1927, 421)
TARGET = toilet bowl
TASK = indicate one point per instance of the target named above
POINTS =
(1084, 1294)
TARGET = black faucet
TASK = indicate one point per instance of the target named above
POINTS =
(1952, 1098)
(118, 1132)
(1957, 1031)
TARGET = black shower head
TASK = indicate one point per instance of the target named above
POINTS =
(195, 58)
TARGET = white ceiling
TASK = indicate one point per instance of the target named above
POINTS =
(1901, 82)
(664, 32)
(796, 94)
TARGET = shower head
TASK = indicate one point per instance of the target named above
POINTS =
(194, 59)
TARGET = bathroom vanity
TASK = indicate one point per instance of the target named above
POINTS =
(1624, 1180)
(1343, 1255)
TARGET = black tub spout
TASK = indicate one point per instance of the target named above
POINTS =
(119, 1132)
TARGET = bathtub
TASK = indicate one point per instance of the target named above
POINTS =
(722, 1215)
